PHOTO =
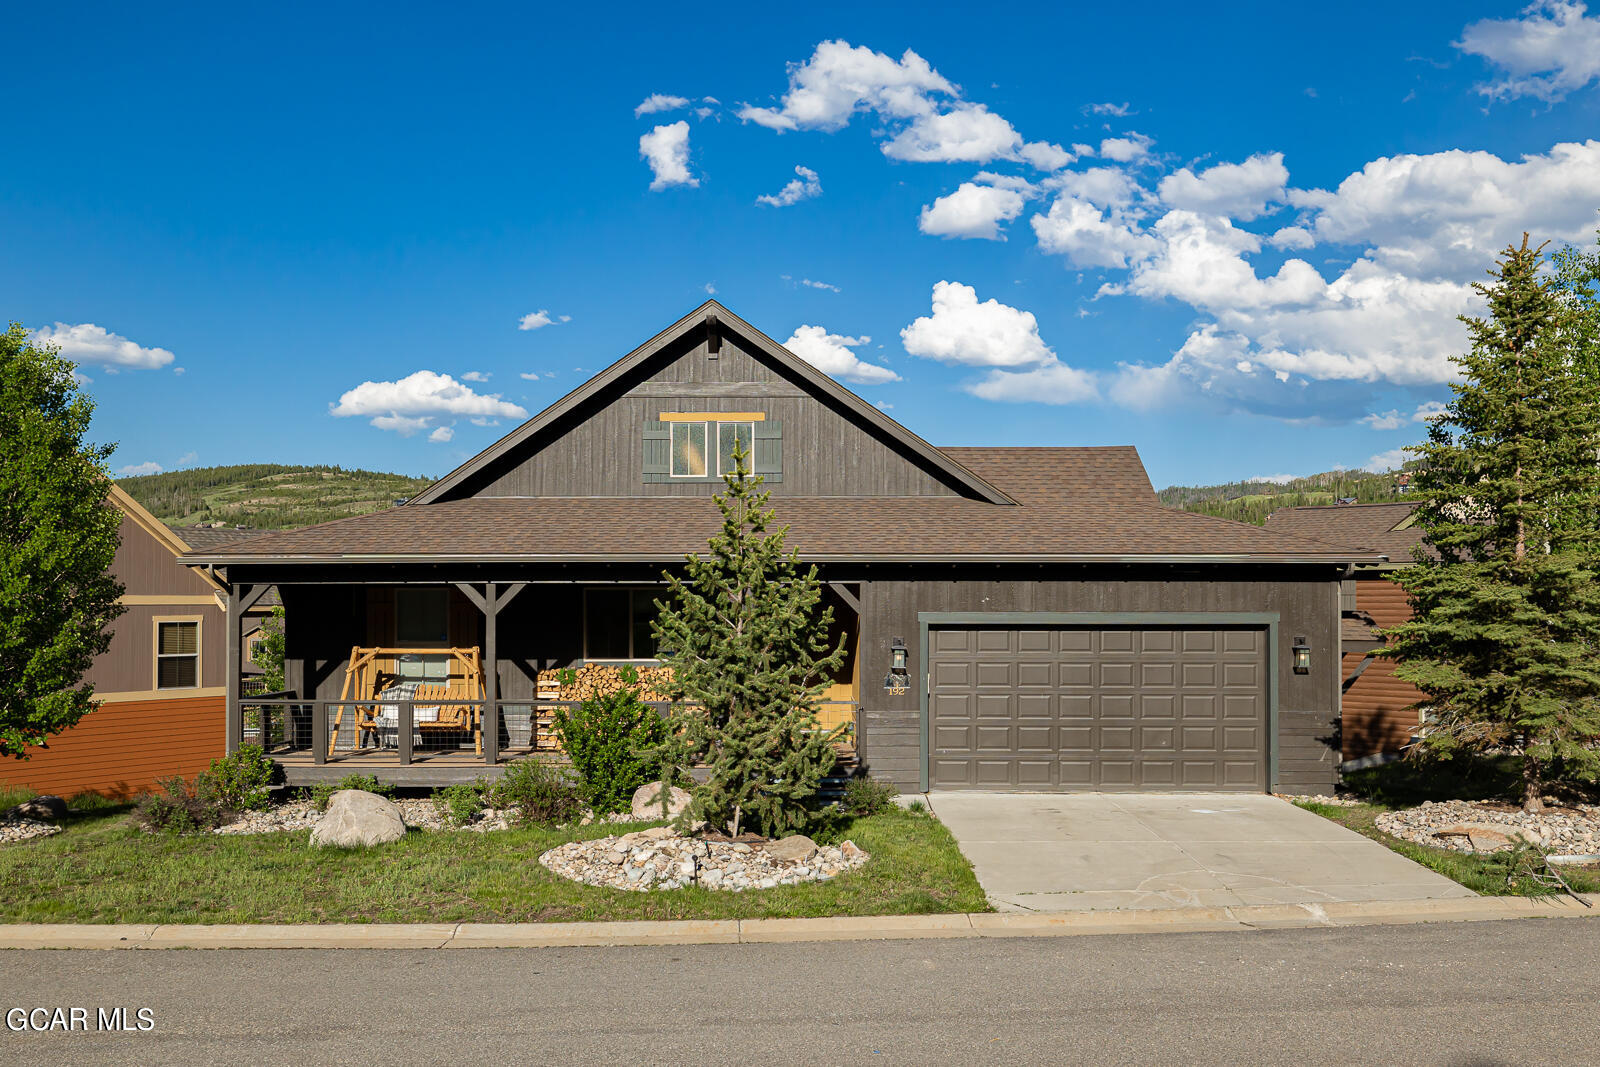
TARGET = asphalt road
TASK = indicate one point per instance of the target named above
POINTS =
(1465, 993)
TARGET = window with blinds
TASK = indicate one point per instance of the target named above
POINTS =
(177, 655)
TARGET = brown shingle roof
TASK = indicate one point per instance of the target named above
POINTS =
(1369, 526)
(1062, 475)
(206, 537)
(1074, 503)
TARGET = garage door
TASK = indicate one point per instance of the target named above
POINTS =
(1116, 708)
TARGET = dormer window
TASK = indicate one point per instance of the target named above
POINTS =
(699, 446)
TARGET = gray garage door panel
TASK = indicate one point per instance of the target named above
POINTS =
(1100, 709)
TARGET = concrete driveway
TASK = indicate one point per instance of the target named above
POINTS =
(1078, 851)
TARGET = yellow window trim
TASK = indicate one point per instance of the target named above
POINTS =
(712, 416)
(159, 694)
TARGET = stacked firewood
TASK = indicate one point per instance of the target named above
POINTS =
(603, 679)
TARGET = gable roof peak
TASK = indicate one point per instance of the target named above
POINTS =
(955, 471)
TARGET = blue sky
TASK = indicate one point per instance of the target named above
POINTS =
(1238, 242)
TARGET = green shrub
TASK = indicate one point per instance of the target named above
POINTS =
(457, 804)
(537, 791)
(613, 742)
(868, 796)
(239, 782)
(178, 809)
(322, 792)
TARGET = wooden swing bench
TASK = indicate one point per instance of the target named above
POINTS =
(367, 680)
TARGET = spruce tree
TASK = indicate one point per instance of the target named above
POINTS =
(745, 633)
(1505, 634)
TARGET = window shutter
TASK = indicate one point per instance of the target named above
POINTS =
(657, 451)
(768, 460)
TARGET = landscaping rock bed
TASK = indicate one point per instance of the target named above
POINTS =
(14, 830)
(1318, 798)
(1484, 826)
(31, 819)
(659, 859)
(303, 815)
(418, 812)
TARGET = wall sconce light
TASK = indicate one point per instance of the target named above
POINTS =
(898, 680)
(1302, 656)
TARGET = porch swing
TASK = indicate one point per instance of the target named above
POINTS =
(372, 677)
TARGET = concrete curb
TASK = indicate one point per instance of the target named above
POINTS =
(756, 931)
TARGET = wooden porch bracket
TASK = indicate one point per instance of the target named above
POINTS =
(844, 594)
(493, 597)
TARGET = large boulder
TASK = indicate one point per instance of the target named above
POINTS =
(358, 819)
(647, 801)
(796, 848)
(45, 808)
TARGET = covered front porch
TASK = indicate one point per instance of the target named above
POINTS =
(421, 682)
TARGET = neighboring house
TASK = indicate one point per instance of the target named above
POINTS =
(160, 684)
(1060, 629)
(1379, 710)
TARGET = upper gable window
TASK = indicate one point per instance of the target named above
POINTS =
(688, 449)
(699, 446)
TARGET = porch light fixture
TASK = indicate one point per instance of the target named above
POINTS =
(1302, 656)
(897, 681)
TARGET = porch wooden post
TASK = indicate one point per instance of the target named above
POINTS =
(404, 720)
(233, 718)
(319, 731)
(490, 724)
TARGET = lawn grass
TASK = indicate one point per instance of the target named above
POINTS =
(101, 869)
(1485, 874)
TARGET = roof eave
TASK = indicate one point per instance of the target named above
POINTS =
(819, 557)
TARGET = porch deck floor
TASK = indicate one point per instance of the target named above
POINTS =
(425, 768)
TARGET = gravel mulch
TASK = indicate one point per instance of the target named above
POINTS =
(659, 859)
(1489, 826)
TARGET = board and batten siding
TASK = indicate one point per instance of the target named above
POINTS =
(1305, 599)
(598, 449)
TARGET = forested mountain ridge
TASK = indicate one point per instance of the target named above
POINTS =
(268, 496)
(1253, 501)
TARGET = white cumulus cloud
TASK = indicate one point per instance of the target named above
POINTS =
(1239, 190)
(538, 320)
(1052, 383)
(987, 334)
(806, 186)
(419, 401)
(1449, 213)
(1551, 50)
(973, 211)
(830, 353)
(88, 343)
(1387, 461)
(442, 434)
(923, 117)
(1129, 149)
(1089, 237)
(138, 470)
(660, 102)
(666, 149)
(475, 376)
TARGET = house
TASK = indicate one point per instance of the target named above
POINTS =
(1015, 618)
(159, 685)
(1379, 711)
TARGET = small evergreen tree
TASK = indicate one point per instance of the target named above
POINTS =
(748, 643)
(1505, 634)
(58, 537)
